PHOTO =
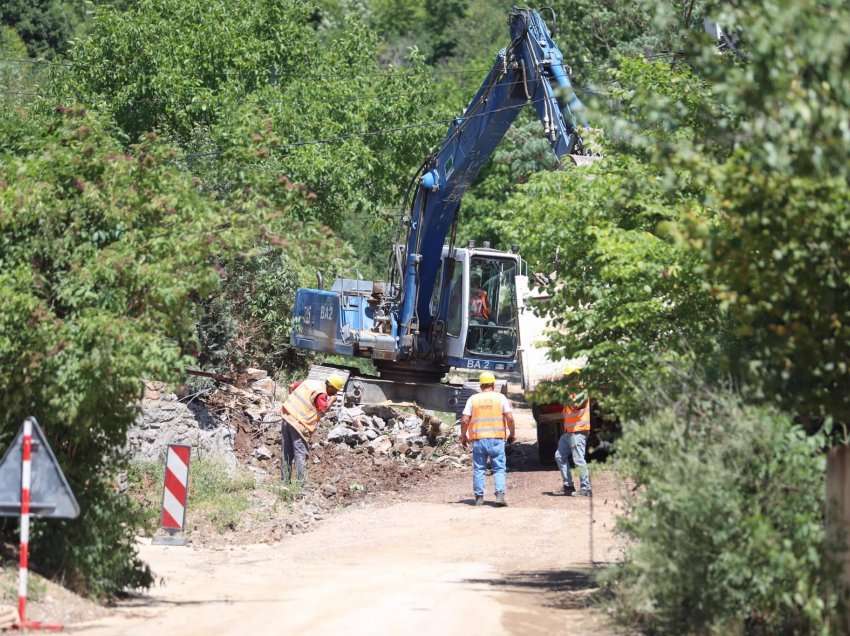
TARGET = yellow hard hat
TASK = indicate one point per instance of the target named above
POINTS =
(571, 370)
(336, 381)
(486, 378)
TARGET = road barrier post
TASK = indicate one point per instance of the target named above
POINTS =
(32, 485)
(175, 493)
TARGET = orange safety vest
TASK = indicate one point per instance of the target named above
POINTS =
(486, 420)
(301, 407)
(577, 420)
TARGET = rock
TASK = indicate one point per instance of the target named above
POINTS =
(329, 490)
(163, 422)
(381, 445)
(349, 415)
(413, 451)
(339, 434)
(402, 437)
(411, 423)
(384, 411)
(371, 434)
(266, 386)
(262, 452)
(378, 423)
(255, 374)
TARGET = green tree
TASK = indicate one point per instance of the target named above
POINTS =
(46, 26)
(104, 253)
(623, 291)
(779, 257)
(171, 66)
(724, 528)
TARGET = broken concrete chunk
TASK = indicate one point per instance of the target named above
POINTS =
(262, 452)
(411, 423)
(381, 445)
(265, 386)
(384, 411)
(340, 434)
(348, 415)
(255, 374)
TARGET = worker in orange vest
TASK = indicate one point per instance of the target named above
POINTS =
(303, 409)
(487, 422)
(573, 444)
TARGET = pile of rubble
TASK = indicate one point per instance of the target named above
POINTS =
(356, 452)
(387, 430)
(404, 433)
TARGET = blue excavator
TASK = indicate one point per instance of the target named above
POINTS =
(441, 305)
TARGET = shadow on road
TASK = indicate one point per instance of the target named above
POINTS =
(561, 589)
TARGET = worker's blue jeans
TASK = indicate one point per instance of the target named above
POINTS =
(295, 452)
(481, 450)
(573, 445)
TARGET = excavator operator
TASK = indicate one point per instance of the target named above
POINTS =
(479, 304)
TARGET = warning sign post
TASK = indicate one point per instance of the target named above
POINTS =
(32, 484)
(175, 491)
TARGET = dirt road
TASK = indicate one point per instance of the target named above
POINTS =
(429, 564)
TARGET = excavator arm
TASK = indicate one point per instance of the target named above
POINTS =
(529, 71)
(412, 340)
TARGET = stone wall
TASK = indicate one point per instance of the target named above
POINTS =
(165, 420)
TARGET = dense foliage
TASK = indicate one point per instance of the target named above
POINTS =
(228, 151)
(103, 251)
(724, 530)
(779, 253)
(46, 26)
(621, 290)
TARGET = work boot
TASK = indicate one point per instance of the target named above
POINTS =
(479, 500)
(569, 491)
(500, 500)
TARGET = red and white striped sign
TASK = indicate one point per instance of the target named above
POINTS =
(176, 486)
(23, 573)
(26, 481)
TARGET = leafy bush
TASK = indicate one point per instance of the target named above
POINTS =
(103, 254)
(249, 321)
(725, 533)
(218, 495)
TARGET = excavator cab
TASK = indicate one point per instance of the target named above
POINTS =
(481, 328)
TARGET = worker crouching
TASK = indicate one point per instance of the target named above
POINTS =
(307, 402)
(486, 423)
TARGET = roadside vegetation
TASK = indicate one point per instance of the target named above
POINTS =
(724, 526)
(219, 494)
(172, 170)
